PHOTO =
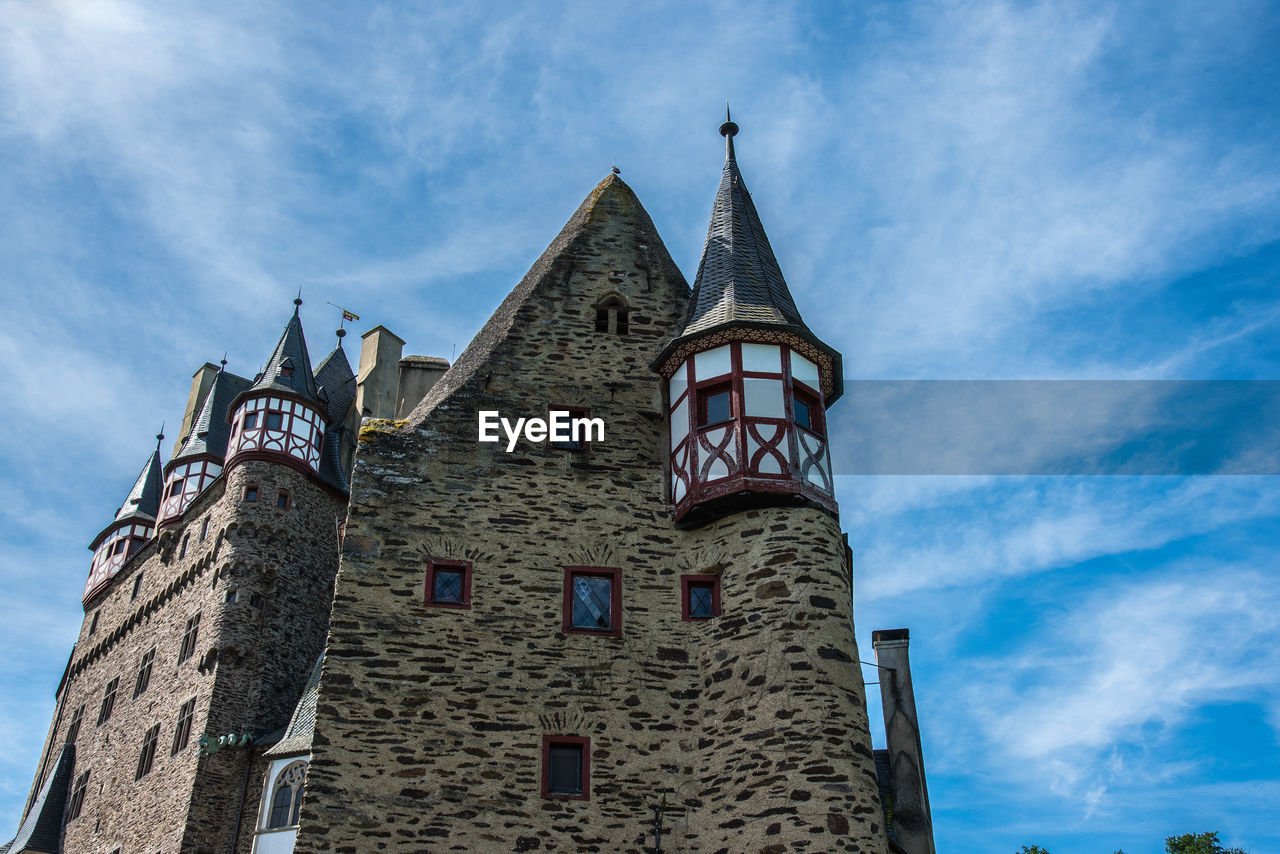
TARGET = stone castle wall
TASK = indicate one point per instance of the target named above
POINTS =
(431, 720)
(246, 673)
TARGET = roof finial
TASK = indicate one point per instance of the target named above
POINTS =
(224, 362)
(297, 301)
(727, 130)
(160, 436)
(614, 168)
(342, 333)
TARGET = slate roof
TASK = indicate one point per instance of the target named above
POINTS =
(144, 498)
(212, 430)
(739, 280)
(337, 384)
(884, 782)
(331, 459)
(291, 350)
(41, 830)
(297, 736)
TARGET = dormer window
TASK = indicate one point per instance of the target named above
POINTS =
(286, 371)
(612, 315)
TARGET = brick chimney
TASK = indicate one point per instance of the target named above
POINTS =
(911, 823)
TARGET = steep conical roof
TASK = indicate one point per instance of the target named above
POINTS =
(738, 279)
(337, 384)
(301, 729)
(144, 498)
(290, 352)
(211, 431)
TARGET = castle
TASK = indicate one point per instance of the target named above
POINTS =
(337, 620)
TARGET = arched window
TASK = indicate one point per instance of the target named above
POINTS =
(611, 314)
(286, 798)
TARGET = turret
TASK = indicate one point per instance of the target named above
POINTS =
(281, 417)
(748, 383)
(199, 460)
(135, 523)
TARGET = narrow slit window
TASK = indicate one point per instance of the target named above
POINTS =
(189, 635)
(182, 731)
(147, 756)
(108, 701)
(137, 586)
(144, 673)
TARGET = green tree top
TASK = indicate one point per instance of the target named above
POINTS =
(1197, 843)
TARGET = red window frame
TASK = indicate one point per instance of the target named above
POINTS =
(687, 581)
(615, 596)
(813, 401)
(250, 421)
(266, 420)
(453, 566)
(175, 487)
(548, 741)
(249, 488)
(705, 393)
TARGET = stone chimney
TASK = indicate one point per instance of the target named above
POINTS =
(417, 375)
(911, 823)
(201, 380)
(377, 378)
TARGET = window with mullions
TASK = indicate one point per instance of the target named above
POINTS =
(175, 488)
(566, 767)
(182, 730)
(146, 758)
(189, 635)
(286, 800)
(144, 673)
(448, 583)
(73, 731)
(77, 796)
(700, 597)
(593, 600)
(251, 421)
(108, 701)
(274, 420)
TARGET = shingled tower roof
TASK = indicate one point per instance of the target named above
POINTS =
(337, 384)
(738, 279)
(41, 830)
(212, 430)
(291, 351)
(739, 283)
(144, 498)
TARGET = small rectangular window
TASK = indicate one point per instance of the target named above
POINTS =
(120, 546)
(182, 550)
(286, 371)
(448, 583)
(808, 412)
(577, 440)
(137, 586)
(255, 600)
(182, 731)
(73, 731)
(282, 500)
(108, 701)
(144, 673)
(146, 757)
(77, 796)
(715, 405)
(566, 767)
(700, 597)
(231, 597)
(251, 420)
(593, 600)
(93, 622)
(204, 529)
(274, 420)
(250, 492)
(189, 635)
(175, 488)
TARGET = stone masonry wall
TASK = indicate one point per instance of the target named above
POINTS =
(430, 722)
(246, 674)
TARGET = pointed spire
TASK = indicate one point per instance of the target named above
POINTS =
(144, 498)
(738, 277)
(289, 368)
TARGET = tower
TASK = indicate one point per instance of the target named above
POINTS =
(560, 644)
(747, 382)
(130, 530)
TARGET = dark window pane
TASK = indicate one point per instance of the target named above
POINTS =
(700, 602)
(803, 417)
(447, 586)
(592, 602)
(564, 777)
(281, 807)
(273, 420)
(717, 408)
(251, 421)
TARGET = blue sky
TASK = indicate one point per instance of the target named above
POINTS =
(976, 190)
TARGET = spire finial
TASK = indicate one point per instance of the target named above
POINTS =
(341, 333)
(223, 362)
(297, 301)
(727, 130)
(160, 436)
